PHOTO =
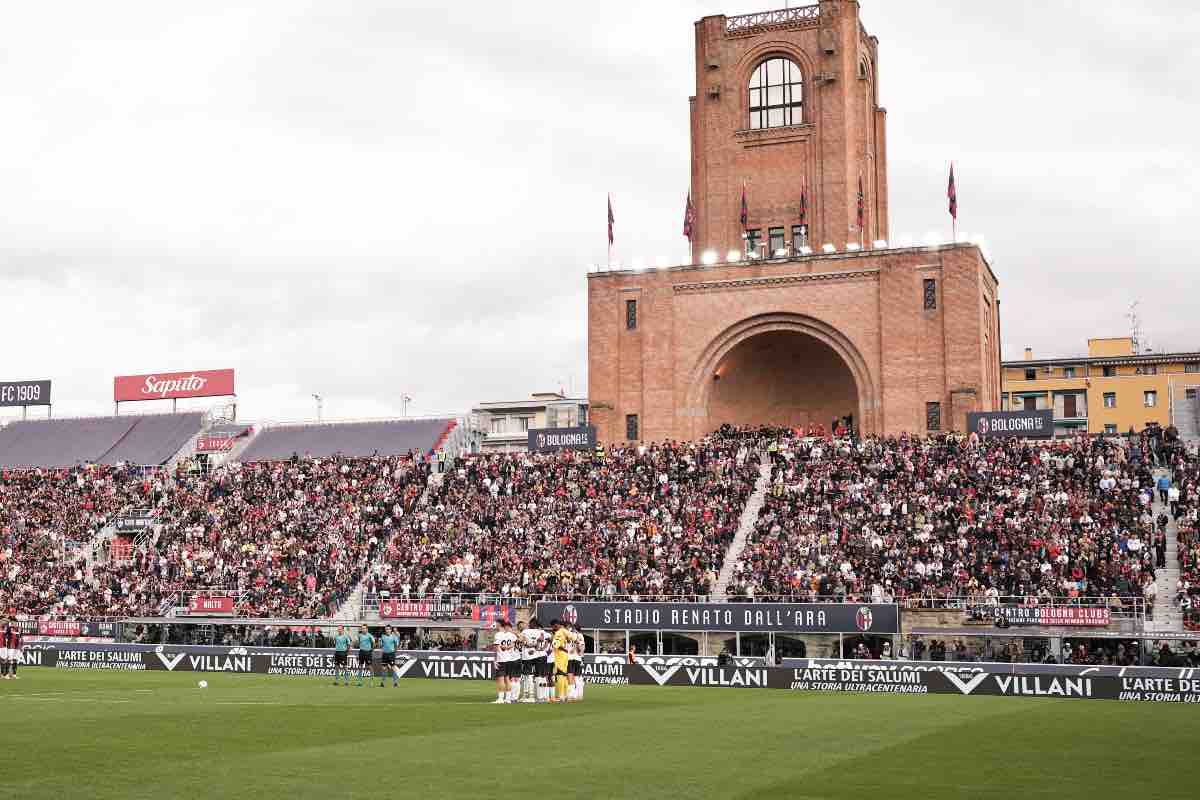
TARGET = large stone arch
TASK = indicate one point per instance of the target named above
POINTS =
(701, 384)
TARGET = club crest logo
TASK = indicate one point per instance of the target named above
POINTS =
(570, 615)
(864, 619)
(983, 426)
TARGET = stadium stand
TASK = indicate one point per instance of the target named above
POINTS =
(353, 439)
(913, 518)
(47, 518)
(144, 440)
(648, 520)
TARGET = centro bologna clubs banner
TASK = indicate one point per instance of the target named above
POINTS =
(173, 385)
(879, 618)
(1069, 616)
(24, 393)
(210, 604)
(1027, 424)
(547, 440)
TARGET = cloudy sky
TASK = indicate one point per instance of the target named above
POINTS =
(365, 199)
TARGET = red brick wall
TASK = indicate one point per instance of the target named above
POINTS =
(867, 307)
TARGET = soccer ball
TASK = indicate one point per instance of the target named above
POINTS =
(203, 684)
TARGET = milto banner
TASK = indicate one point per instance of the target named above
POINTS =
(24, 393)
(880, 618)
(547, 440)
(1150, 684)
(1028, 424)
(172, 385)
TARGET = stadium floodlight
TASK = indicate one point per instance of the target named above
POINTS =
(828, 248)
(904, 241)
(662, 262)
(708, 258)
(880, 244)
(781, 252)
(933, 239)
(852, 247)
(639, 263)
(963, 238)
(733, 256)
(805, 250)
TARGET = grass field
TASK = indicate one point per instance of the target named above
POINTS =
(157, 735)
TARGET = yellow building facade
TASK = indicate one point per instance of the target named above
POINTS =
(1110, 390)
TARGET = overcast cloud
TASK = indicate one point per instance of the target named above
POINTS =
(363, 199)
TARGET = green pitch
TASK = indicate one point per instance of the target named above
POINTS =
(157, 735)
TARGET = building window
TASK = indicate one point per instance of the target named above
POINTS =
(1070, 406)
(930, 294)
(1004, 402)
(1110, 428)
(1110, 372)
(1150, 399)
(1191, 367)
(933, 416)
(1110, 399)
(753, 240)
(1031, 374)
(497, 425)
(1068, 372)
(775, 242)
(631, 427)
(1148, 369)
(800, 239)
(1189, 393)
(523, 424)
(776, 94)
(631, 315)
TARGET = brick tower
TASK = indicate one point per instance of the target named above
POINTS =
(785, 100)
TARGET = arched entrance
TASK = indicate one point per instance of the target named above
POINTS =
(783, 369)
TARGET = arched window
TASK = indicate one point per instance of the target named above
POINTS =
(776, 94)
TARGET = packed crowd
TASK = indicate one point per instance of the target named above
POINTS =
(48, 518)
(909, 517)
(639, 520)
(1186, 508)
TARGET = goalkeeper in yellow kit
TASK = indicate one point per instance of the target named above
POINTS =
(560, 644)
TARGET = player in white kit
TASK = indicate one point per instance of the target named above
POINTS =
(575, 664)
(507, 657)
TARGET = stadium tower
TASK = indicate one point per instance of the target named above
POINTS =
(794, 308)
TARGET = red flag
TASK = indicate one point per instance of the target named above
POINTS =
(862, 205)
(745, 209)
(804, 203)
(611, 220)
(689, 217)
(952, 194)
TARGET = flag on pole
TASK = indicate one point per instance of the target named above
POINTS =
(745, 218)
(689, 217)
(952, 195)
(611, 220)
(862, 205)
(804, 203)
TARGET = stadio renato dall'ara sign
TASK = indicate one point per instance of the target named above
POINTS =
(879, 618)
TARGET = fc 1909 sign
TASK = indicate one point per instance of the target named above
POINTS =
(24, 393)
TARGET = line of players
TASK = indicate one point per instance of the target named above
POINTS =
(10, 649)
(537, 666)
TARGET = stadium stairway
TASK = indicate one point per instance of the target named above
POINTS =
(1167, 616)
(745, 528)
(352, 609)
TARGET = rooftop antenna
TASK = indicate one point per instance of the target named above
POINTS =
(320, 406)
(1135, 327)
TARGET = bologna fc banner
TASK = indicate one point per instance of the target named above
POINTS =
(173, 385)
(547, 440)
(24, 393)
(881, 618)
(1027, 424)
